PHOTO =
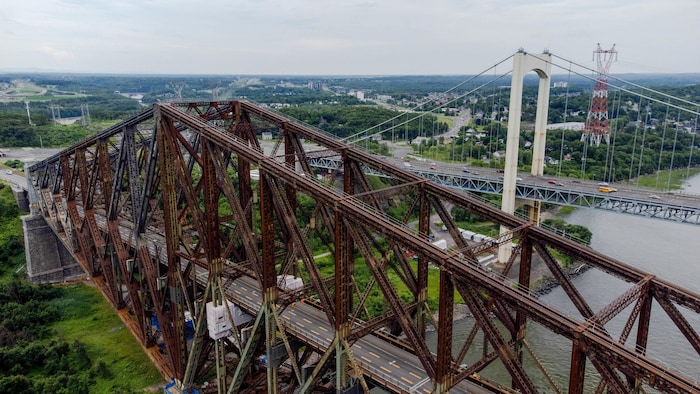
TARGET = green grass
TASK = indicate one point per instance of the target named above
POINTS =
(87, 317)
(661, 180)
(449, 120)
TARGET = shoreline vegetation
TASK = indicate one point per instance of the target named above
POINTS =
(63, 338)
(666, 180)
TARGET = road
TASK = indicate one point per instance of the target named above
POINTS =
(568, 184)
(388, 365)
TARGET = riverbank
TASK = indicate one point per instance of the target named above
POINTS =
(542, 281)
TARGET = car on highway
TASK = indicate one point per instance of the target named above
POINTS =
(8, 172)
(466, 171)
(603, 184)
(552, 182)
(606, 189)
(433, 168)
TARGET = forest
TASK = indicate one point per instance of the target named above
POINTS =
(646, 135)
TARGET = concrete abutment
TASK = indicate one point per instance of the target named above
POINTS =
(48, 260)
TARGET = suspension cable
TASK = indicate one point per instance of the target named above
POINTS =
(421, 105)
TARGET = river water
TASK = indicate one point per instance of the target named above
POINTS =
(668, 250)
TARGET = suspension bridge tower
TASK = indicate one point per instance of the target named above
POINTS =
(523, 63)
(597, 121)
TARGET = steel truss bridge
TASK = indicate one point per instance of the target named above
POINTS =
(635, 201)
(160, 210)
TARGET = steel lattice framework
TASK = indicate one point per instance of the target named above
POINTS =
(161, 211)
(597, 121)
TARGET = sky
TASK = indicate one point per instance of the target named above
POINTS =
(342, 37)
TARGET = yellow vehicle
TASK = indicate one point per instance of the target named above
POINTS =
(606, 189)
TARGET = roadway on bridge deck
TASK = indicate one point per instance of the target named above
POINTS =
(570, 184)
(422, 165)
(387, 365)
(676, 205)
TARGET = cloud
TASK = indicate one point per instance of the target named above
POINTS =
(351, 36)
(56, 53)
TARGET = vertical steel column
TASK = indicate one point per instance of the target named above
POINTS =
(133, 171)
(524, 284)
(644, 322)
(106, 255)
(244, 189)
(269, 277)
(577, 372)
(290, 161)
(177, 348)
(444, 345)
(343, 283)
(216, 265)
(87, 191)
(422, 288)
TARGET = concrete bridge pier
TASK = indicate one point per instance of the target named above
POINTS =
(21, 198)
(48, 260)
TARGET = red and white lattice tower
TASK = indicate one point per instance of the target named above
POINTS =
(597, 121)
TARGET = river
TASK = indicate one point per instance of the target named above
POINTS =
(668, 250)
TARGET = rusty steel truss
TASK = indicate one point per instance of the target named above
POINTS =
(163, 213)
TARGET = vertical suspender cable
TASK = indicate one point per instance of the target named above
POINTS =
(673, 152)
(692, 146)
(607, 148)
(636, 130)
(641, 148)
(566, 110)
(584, 139)
(661, 149)
(611, 173)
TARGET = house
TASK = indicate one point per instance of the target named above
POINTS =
(548, 160)
(499, 154)
(418, 140)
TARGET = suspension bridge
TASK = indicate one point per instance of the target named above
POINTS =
(201, 261)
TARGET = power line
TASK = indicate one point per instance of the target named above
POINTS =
(626, 90)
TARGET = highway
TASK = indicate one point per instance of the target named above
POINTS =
(553, 182)
(675, 206)
(14, 179)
